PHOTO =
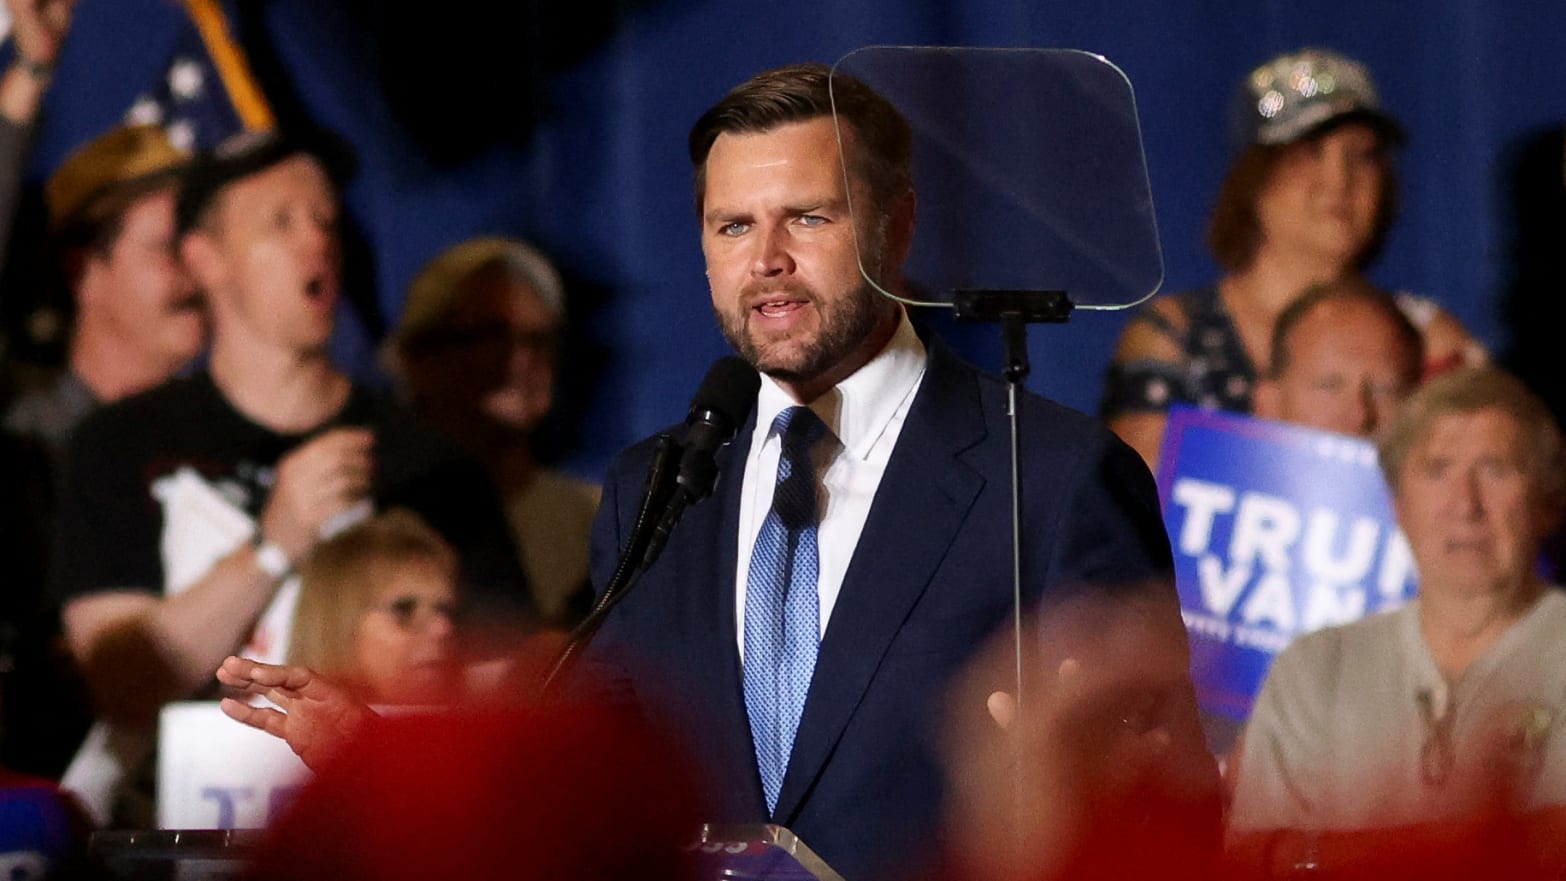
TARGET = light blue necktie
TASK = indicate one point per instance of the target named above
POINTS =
(782, 616)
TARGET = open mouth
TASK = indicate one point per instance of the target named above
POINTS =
(321, 289)
(779, 308)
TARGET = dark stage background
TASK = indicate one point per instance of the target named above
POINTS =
(565, 123)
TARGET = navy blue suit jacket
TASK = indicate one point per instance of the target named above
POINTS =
(929, 582)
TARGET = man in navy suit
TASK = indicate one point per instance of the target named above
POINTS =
(909, 539)
(913, 487)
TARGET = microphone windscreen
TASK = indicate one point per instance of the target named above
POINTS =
(728, 393)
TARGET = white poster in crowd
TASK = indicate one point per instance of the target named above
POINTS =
(215, 773)
(202, 526)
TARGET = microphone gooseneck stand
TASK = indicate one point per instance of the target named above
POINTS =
(680, 475)
(633, 561)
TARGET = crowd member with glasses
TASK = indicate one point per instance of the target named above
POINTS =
(1424, 742)
(476, 354)
(377, 612)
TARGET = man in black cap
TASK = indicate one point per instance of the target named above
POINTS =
(186, 509)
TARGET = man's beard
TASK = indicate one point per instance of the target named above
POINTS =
(842, 327)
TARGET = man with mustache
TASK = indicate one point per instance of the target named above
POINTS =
(138, 317)
(136, 320)
(186, 509)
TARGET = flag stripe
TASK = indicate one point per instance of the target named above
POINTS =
(243, 91)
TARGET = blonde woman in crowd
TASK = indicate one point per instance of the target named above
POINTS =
(377, 613)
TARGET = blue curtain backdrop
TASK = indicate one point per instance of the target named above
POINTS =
(566, 125)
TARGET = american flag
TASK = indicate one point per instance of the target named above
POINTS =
(189, 100)
(207, 91)
(7, 45)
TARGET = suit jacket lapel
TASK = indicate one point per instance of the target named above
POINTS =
(923, 498)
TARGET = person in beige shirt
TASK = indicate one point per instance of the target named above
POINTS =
(476, 355)
(1424, 741)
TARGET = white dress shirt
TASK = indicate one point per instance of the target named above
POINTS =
(864, 415)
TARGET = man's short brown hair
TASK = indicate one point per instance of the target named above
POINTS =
(1411, 344)
(1470, 390)
(882, 143)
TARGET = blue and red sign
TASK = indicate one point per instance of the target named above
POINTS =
(1277, 530)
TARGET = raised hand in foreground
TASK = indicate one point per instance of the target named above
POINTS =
(316, 717)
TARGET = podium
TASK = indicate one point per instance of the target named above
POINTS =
(721, 853)
(188, 854)
(757, 853)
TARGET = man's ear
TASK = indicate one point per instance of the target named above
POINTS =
(1549, 512)
(1400, 512)
(198, 252)
(899, 235)
(1267, 399)
(86, 267)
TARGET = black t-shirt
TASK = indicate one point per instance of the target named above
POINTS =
(109, 526)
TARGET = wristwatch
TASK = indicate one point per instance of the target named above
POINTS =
(271, 558)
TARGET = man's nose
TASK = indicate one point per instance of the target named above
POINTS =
(772, 256)
(440, 625)
(184, 282)
(1467, 499)
(321, 233)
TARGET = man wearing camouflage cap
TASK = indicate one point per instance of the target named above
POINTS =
(138, 318)
(137, 321)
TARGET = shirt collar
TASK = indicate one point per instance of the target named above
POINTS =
(858, 410)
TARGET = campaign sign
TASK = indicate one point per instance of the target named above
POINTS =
(214, 773)
(1278, 530)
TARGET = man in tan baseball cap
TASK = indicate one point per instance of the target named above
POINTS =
(138, 318)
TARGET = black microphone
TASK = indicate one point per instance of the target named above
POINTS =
(684, 473)
(721, 405)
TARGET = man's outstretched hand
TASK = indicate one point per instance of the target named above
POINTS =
(316, 718)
